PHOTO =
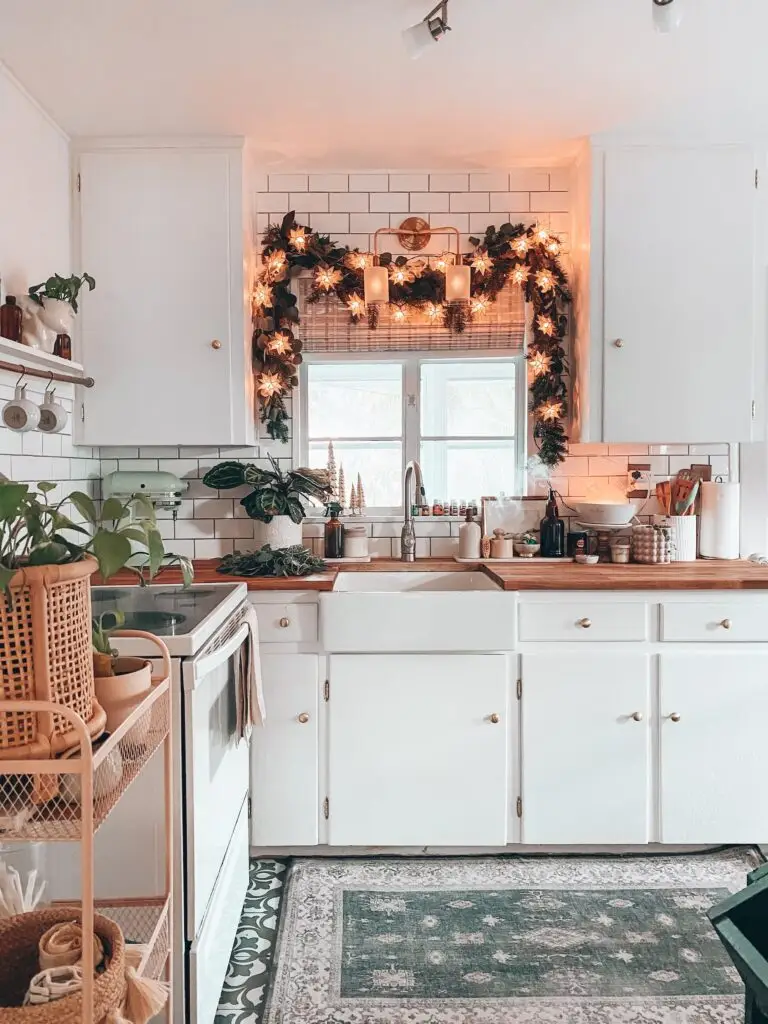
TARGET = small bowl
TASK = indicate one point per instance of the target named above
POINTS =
(586, 559)
(527, 550)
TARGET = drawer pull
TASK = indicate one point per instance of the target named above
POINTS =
(675, 717)
(284, 623)
(216, 344)
(584, 623)
(303, 718)
(726, 623)
(494, 718)
(638, 716)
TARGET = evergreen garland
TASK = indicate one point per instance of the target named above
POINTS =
(528, 257)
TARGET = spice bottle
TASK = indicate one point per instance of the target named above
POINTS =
(437, 507)
(552, 530)
(334, 532)
(10, 319)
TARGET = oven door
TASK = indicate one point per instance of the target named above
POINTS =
(216, 765)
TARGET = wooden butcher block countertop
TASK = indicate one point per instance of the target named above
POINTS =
(521, 574)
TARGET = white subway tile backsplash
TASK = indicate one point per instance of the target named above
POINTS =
(443, 547)
(348, 202)
(389, 202)
(668, 449)
(707, 449)
(497, 181)
(309, 202)
(182, 547)
(510, 202)
(602, 466)
(721, 466)
(560, 179)
(380, 547)
(194, 529)
(182, 468)
(137, 465)
(588, 449)
(430, 202)
(213, 508)
(369, 183)
(367, 222)
(237, 529)
(329, 223)
(524, 179)
(328, 182)
(119, 453)
(469, 202)
(551, 201)
(32, 443)
(160, 452)
(448, 182)
(213, 548)
(409, 182)
(288, 182)
(269, 201)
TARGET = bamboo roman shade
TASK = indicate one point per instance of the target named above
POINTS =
(326, 326)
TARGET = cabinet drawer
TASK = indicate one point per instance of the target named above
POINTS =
(726, 622)
(585, 621)
(287, 623)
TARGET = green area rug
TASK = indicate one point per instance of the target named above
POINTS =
(507, 941)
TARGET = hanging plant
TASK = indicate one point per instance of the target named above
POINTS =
(528, 257)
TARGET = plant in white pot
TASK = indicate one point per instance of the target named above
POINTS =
(277, 499)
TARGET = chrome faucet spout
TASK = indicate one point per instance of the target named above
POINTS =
(408, 535)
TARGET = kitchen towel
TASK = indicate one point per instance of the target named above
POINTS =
(719, 537)
(250, 689)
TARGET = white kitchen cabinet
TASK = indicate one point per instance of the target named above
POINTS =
(713, 714)
(418, 750)
(166, 232)
(285, 800)
(585, 747)
(667, 294)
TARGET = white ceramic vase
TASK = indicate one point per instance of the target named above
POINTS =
(281, 532)
(57, 316)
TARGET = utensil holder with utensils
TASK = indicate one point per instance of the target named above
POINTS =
(682, 536)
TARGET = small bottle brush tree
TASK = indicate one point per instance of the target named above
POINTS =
(332, 471)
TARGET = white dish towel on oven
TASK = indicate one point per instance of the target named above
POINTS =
(250, 690)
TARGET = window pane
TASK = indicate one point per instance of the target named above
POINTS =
(379, 463)
(468, 469)
(468, 399)
(355, 400)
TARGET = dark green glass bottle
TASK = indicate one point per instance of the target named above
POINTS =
(552, 530)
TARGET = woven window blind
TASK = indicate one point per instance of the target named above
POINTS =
(326, 327)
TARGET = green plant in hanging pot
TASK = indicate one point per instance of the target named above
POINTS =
(277, 498)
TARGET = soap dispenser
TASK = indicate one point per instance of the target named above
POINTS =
(334, 532)
(470, 536)
(552, 530)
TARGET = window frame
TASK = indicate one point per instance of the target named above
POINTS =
(411, 436)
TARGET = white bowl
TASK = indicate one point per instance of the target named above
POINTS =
(604, 514)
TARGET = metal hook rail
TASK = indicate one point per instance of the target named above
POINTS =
(51, 375)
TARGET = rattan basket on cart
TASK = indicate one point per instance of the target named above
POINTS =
(45, 654)
(19, 962)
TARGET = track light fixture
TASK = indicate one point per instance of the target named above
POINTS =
(667, 14)
(419, 37)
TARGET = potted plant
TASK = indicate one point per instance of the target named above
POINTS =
(276, 499)
(46, 561)
(121, 682)
(56, 300)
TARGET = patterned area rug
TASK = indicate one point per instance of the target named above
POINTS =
(242, 1000)
(507, 941)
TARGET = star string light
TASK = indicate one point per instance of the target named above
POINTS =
(546, 325)
(279, 344)
(269, 384)
(327, 278)
(553, 247)
(433, 312)
(520, 245)
(401, 274)
(541, 235)
(262, 295)
(545, 282)
(550, 411)
(358, 260)
(539, 363)
(482, 262)
(276, 262)
(399, 314)
(480, 305)
(297, 237)
(443, 261)
(356, 305)
(520, 273)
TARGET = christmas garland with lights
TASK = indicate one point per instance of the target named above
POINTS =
(528, 257)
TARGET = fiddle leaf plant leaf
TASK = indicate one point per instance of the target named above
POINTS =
(85, 506)
(112, 551)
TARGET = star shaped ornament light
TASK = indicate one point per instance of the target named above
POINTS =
(269, 384)
(327, 278)
(297, 237)
(482, 262)
(539, 363)
(279, 344)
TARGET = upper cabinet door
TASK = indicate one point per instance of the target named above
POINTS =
(679, 294)
(164, 334)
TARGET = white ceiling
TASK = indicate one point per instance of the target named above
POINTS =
(328, 84)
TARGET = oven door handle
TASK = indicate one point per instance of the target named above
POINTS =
(209, 662)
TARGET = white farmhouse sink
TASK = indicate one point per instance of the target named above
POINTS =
(416, 611)
(411, 582)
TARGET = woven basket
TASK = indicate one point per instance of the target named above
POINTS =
(19, 962)
(45, 654)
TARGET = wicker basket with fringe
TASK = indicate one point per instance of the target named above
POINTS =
(19, 962)
(45, 654)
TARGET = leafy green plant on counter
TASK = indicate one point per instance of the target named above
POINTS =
(119, 535)
(293, 561)
(101, 634)
(274, 493)
(65, 289)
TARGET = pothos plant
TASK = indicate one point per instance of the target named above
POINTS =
(120, 535)
(65, 289)
(274, 493)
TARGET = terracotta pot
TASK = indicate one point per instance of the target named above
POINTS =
(102, 665)
(119, 694)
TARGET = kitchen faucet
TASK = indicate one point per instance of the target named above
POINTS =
(408, 535)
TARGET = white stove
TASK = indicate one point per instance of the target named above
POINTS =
(204, 631)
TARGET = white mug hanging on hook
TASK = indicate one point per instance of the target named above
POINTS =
(20, 413)
(53, 415)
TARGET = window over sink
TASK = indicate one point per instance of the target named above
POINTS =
(463, 418)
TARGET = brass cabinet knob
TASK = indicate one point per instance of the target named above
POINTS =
(494, 718)
(303, 718)
(619, 343)
(726, 623)
(675, 716)
(584, 623)
(216, 343)
(638, 716)
(285, 623)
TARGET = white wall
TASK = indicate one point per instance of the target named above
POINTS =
(35, 198)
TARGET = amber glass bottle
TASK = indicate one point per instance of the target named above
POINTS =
(10, 319)
(334, 532)
(552, 530)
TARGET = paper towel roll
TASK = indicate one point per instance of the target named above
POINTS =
(719, 536)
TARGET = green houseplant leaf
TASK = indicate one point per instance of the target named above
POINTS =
(112, 551)
(275, 493)
(225, 476)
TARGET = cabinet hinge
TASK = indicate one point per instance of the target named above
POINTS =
(82, 412)
(326, 808)
(754, 408)
(250, 806)
(757, 178)
(79, 183)
(519, 807)
(519, 688)
(327, 690)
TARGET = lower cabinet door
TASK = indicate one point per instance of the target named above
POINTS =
(714, 714)
(418, 750)
(285, 801)
(585, 748)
